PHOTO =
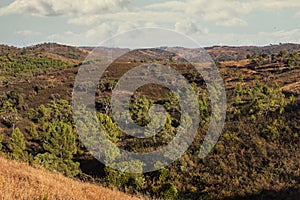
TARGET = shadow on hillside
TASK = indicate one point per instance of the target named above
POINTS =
(92, 167)
(287, 194)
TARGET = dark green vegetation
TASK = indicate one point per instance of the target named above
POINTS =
(257, 155)
(25, 62)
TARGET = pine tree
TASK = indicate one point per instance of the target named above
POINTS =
(17, 145)
(60, 147)
(60, 140)
(109, 128)
(139, 110)
(33, 132)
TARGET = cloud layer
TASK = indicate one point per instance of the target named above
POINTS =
(64, 7)
(198, 18)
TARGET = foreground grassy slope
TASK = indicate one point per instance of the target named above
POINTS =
(20, 181)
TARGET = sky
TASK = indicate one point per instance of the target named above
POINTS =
(209, 22)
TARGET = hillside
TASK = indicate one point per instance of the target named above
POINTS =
(20, 181)
(225, 53)
(256, 157)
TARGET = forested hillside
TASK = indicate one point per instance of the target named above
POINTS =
(256, 157)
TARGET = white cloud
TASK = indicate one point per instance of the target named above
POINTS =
(150, 25)
(100, 19)
(169, 5)
(224, 13)
(140, 16)
(89, 12)
(127, 26)
(27, 33)
(188, 27)
(90, 37)
(233, 22)
(282, 36)
(94, 35)
(276, 4)
(63, 7)
(261, 38)
(97, 35)
(233, 12)
(219, 12)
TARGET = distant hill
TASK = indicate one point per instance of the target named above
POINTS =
(20, 181)
(225, 53)
(218, 53)
(61, 50)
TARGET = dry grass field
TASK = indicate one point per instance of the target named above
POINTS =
(21, 181)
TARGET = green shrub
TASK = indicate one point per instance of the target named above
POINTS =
(271, 132)
(51, 162)
(116, 178)
(60, 110)
(266, 99)
(169, 191)
(139, 182)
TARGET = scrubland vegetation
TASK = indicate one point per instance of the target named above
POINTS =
(257, 155)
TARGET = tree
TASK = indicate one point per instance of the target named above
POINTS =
(238, 101)
(61, 140)
(33, 134)
(17, 145)
(61, 110)
(155, 126)
(204, 107)
(168, 130)
(8, 114)
(60, 146)
(109, 128)
(139, 110)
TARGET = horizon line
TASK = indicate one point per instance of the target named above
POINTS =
(98, 46)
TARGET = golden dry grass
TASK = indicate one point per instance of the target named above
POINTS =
(21, 181)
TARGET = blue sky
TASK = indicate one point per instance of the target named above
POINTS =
(210, 22)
